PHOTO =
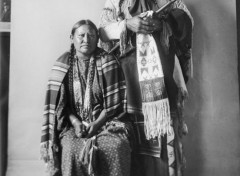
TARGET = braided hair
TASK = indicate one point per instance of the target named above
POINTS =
(72, 55)
(70, 74)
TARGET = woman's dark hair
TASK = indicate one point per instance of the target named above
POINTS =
(72, 53)
(76, 26)
(84, 22)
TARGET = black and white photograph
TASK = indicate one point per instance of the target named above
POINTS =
(119, 88)
(5, 11)
(5, 15)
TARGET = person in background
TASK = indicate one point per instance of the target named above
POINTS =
(84, 131)
(154, 50)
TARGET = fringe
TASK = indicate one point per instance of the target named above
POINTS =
(88, 155)
(157, 119)
(47, 155)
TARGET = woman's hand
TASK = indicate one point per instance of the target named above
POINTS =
(80, 128)
(92, 128)
(143, 25)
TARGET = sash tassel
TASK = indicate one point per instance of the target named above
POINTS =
(157, 120)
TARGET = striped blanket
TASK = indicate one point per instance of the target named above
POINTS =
(114, 94)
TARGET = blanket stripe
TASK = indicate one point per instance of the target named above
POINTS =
(112, 84)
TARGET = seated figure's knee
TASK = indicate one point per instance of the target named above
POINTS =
(109, 142)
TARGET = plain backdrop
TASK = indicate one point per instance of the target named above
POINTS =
(40, 31)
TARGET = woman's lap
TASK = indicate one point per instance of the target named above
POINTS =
(71, 150)
(114, 155)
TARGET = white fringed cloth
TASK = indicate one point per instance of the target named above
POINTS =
(155, 103)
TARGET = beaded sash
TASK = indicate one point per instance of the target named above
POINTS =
(155, 103)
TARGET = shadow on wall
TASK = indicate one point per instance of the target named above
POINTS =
(201, 106)
(194, 105)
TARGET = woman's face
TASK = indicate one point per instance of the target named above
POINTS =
(84, 40)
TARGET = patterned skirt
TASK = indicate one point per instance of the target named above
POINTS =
(113, 156)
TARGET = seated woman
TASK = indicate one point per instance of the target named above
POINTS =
(85, 131)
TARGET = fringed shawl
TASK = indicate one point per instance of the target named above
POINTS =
(114, 95)
(58, 73)
(48, 147)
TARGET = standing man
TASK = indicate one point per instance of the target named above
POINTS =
(154, 50)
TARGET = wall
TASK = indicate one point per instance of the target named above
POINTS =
(40, 33)
(212, 113)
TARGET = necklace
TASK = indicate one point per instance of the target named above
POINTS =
(82, 70)
(85, 111)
